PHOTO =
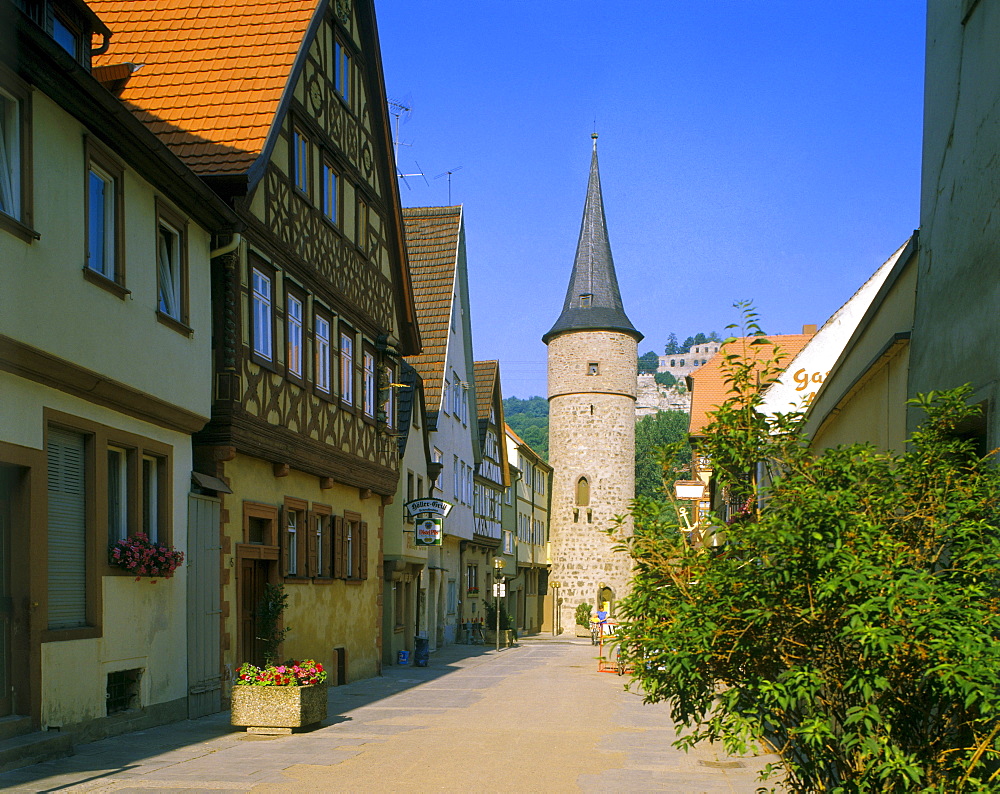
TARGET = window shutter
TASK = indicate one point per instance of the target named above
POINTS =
(363, 552)
(312, 557)
(340, 548)
(327, 547)
(67, 530)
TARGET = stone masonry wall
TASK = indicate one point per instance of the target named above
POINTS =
(592, 435)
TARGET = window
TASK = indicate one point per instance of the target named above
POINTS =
(342, 72)
(331, 196)
(446, 397)
(321, 542)
(15, 155)
(300, 160)
(347, 367)
(370, 387)
(262, 313)
(105, 178)
(472, 578)
(586, 300)
(583, 491)
(293, 337)
(354, 547)
(508, 542)
(294, 539)
(66, 35)
(324, 352)
(456, 476)
(452, 597)
(171, 265)
(151, 496)
(117, 494)
(362, 231)
(389, 406)
(593, 368)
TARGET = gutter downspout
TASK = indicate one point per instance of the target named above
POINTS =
(229, 247)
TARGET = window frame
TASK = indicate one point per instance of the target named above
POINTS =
(18, 94)
(321, 562)
(342, 77)
(301, 170)
(295, 295)
(369, 383)
(294, 543)
(98, 159)
(328, 169)
(98, 439)
(327, 392)
(177, 224)
(346, 390)
(269, 273)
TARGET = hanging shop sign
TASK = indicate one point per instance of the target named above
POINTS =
(428, 532)
(431, 506)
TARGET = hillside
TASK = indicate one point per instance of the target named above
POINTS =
(530, 420)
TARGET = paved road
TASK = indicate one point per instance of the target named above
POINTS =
(538, 717)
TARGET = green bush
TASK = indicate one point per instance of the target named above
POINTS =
(850, 620)
(583, 611)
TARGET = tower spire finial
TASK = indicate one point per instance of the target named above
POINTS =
(594, 136)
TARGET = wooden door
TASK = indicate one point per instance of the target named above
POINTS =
(253, 577)
(204, 610)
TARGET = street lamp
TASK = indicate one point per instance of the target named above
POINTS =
(498, 564)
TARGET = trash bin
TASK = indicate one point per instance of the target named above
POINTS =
(403, 658)
(421, 651)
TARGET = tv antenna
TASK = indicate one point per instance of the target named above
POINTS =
(398, 110)
(448, 174)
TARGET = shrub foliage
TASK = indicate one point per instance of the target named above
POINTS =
(849, 620)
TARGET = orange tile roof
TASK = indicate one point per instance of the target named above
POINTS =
(212, 71)
(709, 387)
(432, 241)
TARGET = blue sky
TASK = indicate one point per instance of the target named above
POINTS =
(750, 149)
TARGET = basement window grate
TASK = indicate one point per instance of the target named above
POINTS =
(123, 690)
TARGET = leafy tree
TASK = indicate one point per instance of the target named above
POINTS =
(850, 617)
(713, 337)
(665, 379)
(686, 345)
(700, 339)
(648, 362)
(652, 434)
(530, 420)
(672, 345)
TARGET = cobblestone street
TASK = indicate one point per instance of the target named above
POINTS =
(538, 717)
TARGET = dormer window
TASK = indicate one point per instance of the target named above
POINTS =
(586, 300)
(66, 35)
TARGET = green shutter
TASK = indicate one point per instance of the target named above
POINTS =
(67, 536)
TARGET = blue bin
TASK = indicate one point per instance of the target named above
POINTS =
(404, 657)
(421, 651)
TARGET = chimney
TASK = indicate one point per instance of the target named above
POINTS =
(809, 329)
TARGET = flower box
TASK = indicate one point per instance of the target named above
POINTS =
(277, 709)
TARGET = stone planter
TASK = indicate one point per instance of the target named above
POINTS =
(506, 638)
(277, 709)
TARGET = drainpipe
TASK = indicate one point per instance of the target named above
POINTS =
(229, 247)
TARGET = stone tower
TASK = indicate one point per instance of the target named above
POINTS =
(592, 360)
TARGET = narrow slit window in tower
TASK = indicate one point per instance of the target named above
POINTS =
(582, 491)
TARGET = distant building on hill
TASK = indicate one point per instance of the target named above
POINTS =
(680, 365)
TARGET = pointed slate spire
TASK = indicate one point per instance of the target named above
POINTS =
(593, 302)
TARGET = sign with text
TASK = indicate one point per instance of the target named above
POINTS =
(428, 532)
(437, 507)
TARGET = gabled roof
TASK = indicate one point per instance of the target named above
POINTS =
(593, 300)
(524, 446)
(433, 242)
(709, 388)
(213, 72)
(488, 395)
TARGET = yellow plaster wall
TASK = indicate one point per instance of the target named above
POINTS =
(324, 616)
(81, 312)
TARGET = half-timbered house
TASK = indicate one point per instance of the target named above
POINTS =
(280, 106)
(435, 240)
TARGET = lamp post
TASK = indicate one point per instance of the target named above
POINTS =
(497, 579)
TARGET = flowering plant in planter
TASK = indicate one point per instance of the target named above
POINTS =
(139, 555)
(294, 672)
